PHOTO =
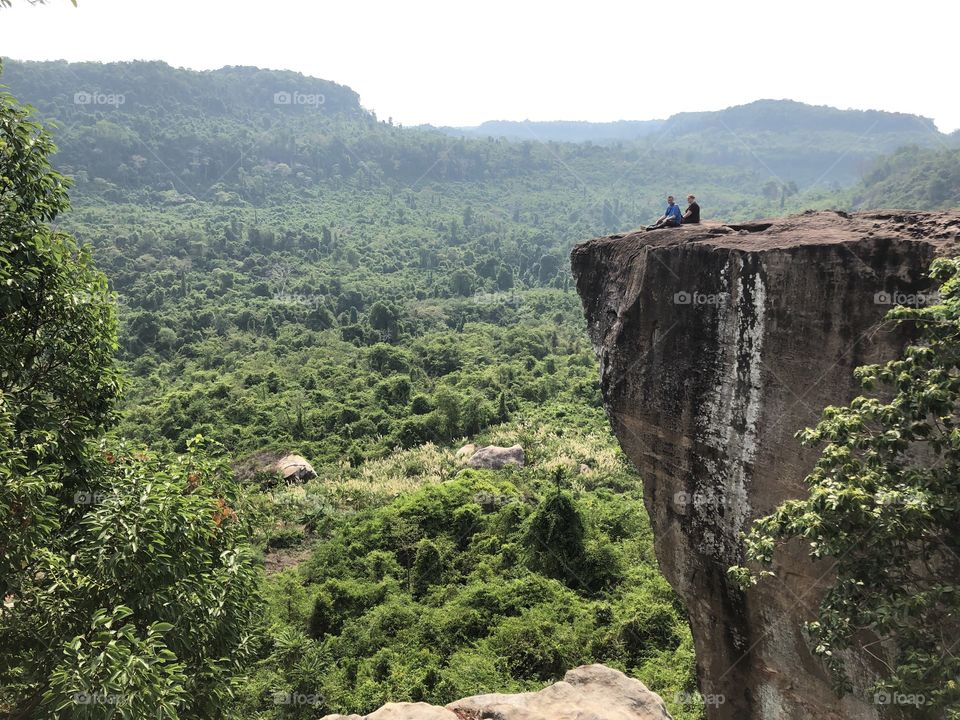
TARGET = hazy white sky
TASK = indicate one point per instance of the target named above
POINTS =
(457, 63)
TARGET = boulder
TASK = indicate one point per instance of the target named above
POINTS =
(294, 468)
(467, 451)
(267, 466)
(494, 457)
(402, 711)
(408, 711)
(586, 693)
(716, 345)
(589, 692)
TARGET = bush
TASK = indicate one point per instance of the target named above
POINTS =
(555, 540)
(427, 567)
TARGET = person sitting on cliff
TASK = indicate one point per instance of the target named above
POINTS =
(691, 216)
(671, 216)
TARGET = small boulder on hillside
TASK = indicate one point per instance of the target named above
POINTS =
(467, 451)
(589, 692)
(269, 467)
(420, 711)
(402, 711)
(494, 457)
(294, 468)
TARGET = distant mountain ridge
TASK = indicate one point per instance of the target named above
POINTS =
(758, 116)
(560, 130)
(235, 90)
(244, 130)
(790, 115)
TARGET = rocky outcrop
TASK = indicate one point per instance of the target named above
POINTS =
(494, 457)
(716, 344)
(294, 468)
(270, 467)
(589, 692)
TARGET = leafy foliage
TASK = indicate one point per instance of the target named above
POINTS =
(439, 594)
(913, 178)
(126, 581)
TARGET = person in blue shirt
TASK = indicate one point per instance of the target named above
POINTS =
(672, 217)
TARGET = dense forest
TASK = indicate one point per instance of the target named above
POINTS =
(291, 273)
(913, 178)
(309, 275)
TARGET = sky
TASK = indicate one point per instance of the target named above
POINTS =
(460, 63)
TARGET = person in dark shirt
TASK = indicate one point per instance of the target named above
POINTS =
(691, 216)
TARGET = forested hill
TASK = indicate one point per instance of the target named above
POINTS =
(790, 116)
(808, 144)
(148, 125)
(158, 91)
(766, 116)
(913, 178)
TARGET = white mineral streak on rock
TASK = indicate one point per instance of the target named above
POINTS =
(740, 325)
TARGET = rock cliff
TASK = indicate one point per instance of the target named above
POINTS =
(716, 344)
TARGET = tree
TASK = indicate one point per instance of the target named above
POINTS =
(448, 407)
(385, 359)
(771, 190)
(556, 538)
(503, 411)
(427, 567)
(270, 326)
(477, 414)
(504, 278)
(384, 317)
(126, 578)
(883, 504)
(461, 283)
(549, 266)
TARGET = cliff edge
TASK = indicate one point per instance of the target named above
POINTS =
(716, 344)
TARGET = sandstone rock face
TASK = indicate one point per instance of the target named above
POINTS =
(717, 344)
(494, 457)
(589, 692)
